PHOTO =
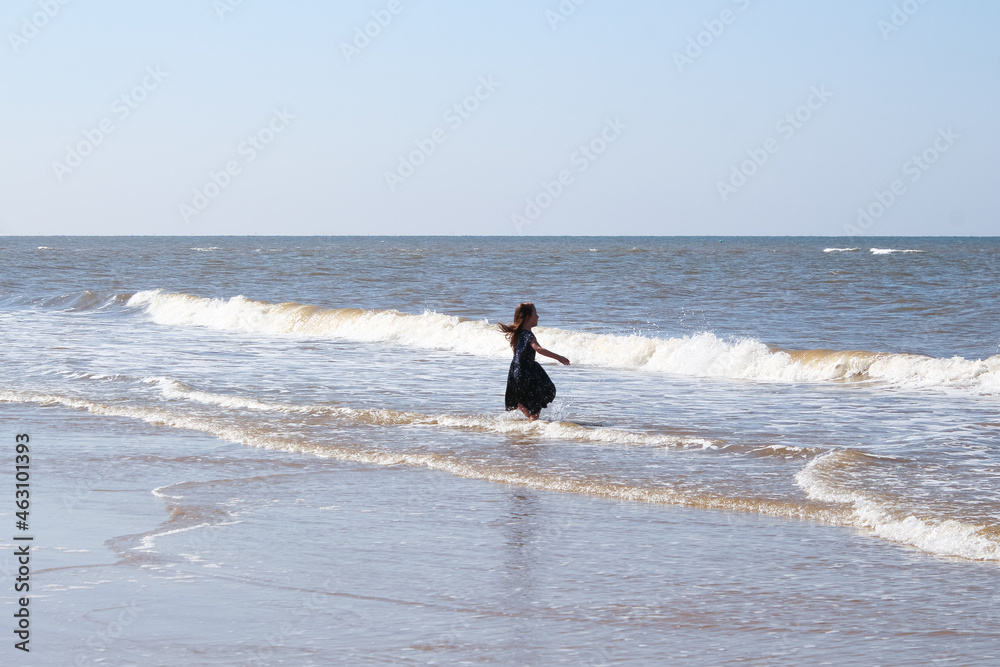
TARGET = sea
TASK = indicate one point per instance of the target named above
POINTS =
(294, 451)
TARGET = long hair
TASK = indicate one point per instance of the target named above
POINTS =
(522, 314)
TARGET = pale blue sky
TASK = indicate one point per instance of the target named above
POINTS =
(679, 131)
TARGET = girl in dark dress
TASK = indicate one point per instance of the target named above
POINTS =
(529, 388)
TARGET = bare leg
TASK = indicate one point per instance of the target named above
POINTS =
(531, 417)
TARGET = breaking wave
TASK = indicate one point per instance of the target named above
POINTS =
(697, 355)
(890, 519)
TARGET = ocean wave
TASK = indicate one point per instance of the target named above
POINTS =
(428, 330)
(697, 355)
(888, 518)
(889, 251)
(81, 302)
(841, 249)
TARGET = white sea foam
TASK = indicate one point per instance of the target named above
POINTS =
(429, 330)
(841, 249)
(173, 389)
(697, 355)
(492, 423)
(889, 251)
(149, 541)
(945, 537)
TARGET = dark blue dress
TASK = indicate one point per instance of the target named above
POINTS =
(527, 382)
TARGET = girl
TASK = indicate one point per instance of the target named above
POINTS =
(529, 388)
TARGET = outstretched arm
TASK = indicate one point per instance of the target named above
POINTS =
(551, 355)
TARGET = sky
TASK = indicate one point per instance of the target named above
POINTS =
(516, 117)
